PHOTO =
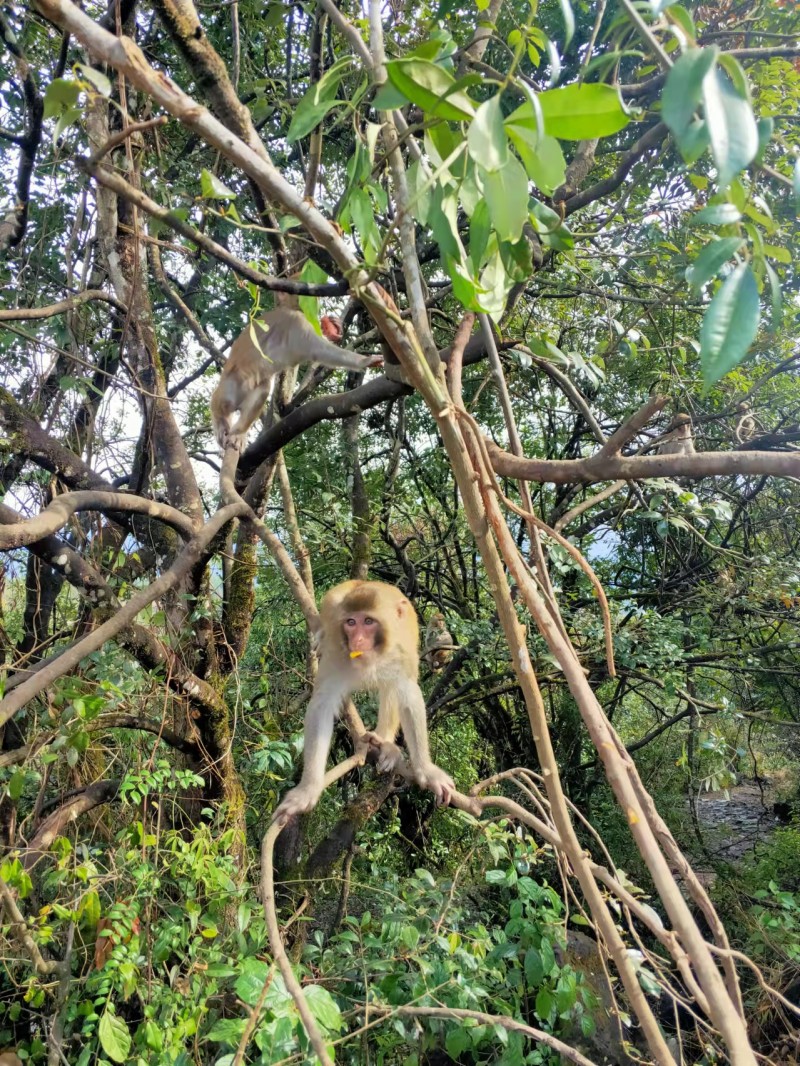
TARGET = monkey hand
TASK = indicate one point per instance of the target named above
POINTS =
(437, 781)
(388, 755)
(299, 800)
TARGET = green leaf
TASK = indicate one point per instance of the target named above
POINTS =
(796, 184)
(387, 98)
(729, 325)
(479, 227)
(545, 1004)
(214, 189)
(506, 193)
(684, 87)
(324, 1008)
(534, 970)
(718, 215)
(16, 785)
(115, 1039)
(443, 220)
(569, 22)
(308, 116)
(456, 1042)
(579, 111)
(710, 260)
(732, 126)
(431, 88)
(465, 289)
(487, 141)
(250, 981)
(776, 298)
(542, 157)
(96, 79)
(60, 95)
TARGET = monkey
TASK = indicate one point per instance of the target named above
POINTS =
(679, 439)
(280, 339)
(746, 426)
(368, 641)
(438, 645)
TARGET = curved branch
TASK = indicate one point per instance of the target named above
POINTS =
(184, 563)
(53, 825)
(28, 314)
(105, 721)
(57, 513)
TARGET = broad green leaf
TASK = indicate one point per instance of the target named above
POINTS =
(61, 95)
(545, 1004)
(115, 1039)
(506, 193)
(579, 111)
(718, 215)
(309, 114)
(96, 79)
(388, 98)
(733, 68)
(214, 189)
(729, 325)
(684, 87)
(542, 157)
(777, 252)
(456, 1042)
(534, 971)
(486, 140)
(324, 1008)
(516, 259)
(731, 126)
(708, 263)
(496, 285)
(681, 17)
(776, 298)
(694, 142)
(465, 289)
(443, 220)
(479, 227)
(431, 88)
(250, 982)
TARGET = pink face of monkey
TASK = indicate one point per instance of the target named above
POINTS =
(362, 634)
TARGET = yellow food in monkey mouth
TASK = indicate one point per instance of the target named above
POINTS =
(356, 654)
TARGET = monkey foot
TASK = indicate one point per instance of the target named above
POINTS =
(437, 782)
(299, 800)
(388, 757)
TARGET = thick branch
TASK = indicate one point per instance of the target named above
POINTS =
(636, 467)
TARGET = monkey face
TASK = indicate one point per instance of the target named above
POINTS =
(363, 635)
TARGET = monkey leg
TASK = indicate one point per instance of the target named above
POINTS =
(317, 732)
(413, 719)
(389, 756)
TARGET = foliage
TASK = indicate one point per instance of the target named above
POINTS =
(623, 205)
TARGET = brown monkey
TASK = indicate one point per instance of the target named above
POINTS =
(438, 646)
(368, 643)
(280, 339)
(679, 439)
(746, 426)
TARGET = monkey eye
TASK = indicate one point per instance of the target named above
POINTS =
(350, 622)
(369, 621)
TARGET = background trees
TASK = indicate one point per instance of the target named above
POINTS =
(619, 192)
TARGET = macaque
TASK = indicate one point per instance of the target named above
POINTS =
(368, 642)
(438, 645)
(679, 440)
(746, 426)
(279, 339)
